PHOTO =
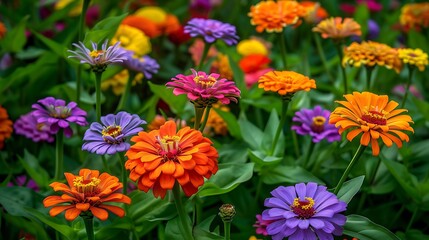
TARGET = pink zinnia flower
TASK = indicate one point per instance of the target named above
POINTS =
(261, 225)
(204, 89)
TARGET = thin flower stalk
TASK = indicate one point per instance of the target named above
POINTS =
(124, 98)
(355, 158)
(407, 88)
(185, 224)
(59, 155)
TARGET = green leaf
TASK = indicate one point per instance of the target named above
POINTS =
(412, 234)
(231, 122)
(57, 48)
(34, 170)
(261, 159)
(417, 40)
(287, 174)
(270, 132)
(202, 232)
(364, 229)
(251, 134)
(228, 177)
(15, 40)
(238, 77)
(176, 103)
(145, 207)
(104, 30)
(14, 198)
(361, 17)
(172, 230)
(350, 188)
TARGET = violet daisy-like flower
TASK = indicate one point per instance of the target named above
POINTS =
(204, 89)
(56, 114)
(212, 30)
(27, 126)
(145, 64)
(99, 58)
(304, 211)
(109, 136)
(314, 122)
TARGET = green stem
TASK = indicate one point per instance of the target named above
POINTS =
(283, 49)
(285, 104)
(413, 217)
(368, 78)
(124, 173)
(78, 83)
(355, 158)
(89, 226)
(397, 215)
(295, 144)
(198, 115)
(204, 56)
(82, 18)
(227, 229)
(59, 155)
(124, 97)
(106, 166)
(343, 69)
(322, 56)
(98, 94)
(308, 154)
(206, 117)
(185, 225)
(370, 181)
(407, 88)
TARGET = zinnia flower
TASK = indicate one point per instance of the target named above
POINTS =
(98, 58)
(88, 191)
(415, 15)
(5, 126)
(119, 80)
(338, 28)
(56, 114)
(314, 13)
(144, 24)
(261, 225)
(204, 89)
(197, 48)
(254, 66)
(27, 126)
(161, 157)
(160, 120)
(145, 65)
(251, 47)
(211, 30)
(215, 123)
(132, 39)
(414, 57)
(371, 54)
(3, 30)
(375, 117)
(285, 82)
(110, 136)
(273, 16)
(222, 66)
(304, 211)
(314, 122)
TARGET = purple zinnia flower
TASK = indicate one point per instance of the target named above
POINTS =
(99, 59)
(204, 89)
(211, 30)
(56, 114)
(305, 211)
(314, 122)
(145, 64)
(109, 137)
(23, 181)
(27, 126)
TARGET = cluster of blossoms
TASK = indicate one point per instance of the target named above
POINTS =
(415, 16)
(5, 126)
(338, 28)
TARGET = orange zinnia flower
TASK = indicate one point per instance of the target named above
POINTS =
(415, 16)
(3, 30)
(161, 157)
(338, 28)
(285, 82)
(371, 54)
(145, 25)
(5, 126)
(375, 117)
(274, 16)
(314, 13)
(88, 191)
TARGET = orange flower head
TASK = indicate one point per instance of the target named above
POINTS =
(160, 120)
(88, 191)
(161, 158)
(145, 25)
(375, 117)
(222, 66)
(254, 62)
(215, 123)
(273, 16)
(414, 57)
(5, 126)
(285, 82)
(3, 30)
(338, 28)
(415, 16)
(371, 54)
(314, 13)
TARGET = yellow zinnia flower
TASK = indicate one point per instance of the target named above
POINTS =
(414, 57)
(132, 39)
(118, 82)
(338, 28)
(153, 13)
(251, 46)
(75, 11)
(285, 82)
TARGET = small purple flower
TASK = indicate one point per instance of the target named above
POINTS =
(56, 114)
(109, 137)
(27, 126)
(99, 58)
(145, 64)
(23, 181)
(304, 211)
(314, 122)
(211, 30)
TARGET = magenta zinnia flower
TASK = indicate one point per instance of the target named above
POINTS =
(27, 126)
(304, 211)
(212, 30)
(261, 225)
(110, 136)
(203, 89)
(314, 122)
(56, 114)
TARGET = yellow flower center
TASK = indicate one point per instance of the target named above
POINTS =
(59, 111)
(96, 53)
(169, 147)
(111, 133)
(318, 124)
(374, 116)
(86, 186)
(40, 126)
(205, 82)
(303, 208)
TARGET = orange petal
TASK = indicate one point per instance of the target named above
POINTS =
(353, 133)
(166, 181)
(72, 213)
(83, 206)
(114, 209)
(168, 129)
(99, 213)
(158, 191)
(59, 209)
(196, 179)
(179, 170)
(366, 137)
(375, 147)
(53, 200)
(168, 167)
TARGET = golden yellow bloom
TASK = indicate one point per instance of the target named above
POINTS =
(75, 11)
(414, 57)
(273, 16)
(338, 28)
(251, 46)
(132, 39)
(415, 15)
(375, 117)
(118, 82)
(153, 13)
(371, 54)
(285, 82)
(223, 67)
(215, 123)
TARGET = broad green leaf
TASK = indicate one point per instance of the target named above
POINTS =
(361, 17)
(268, 103)
(412, 234)
(238, 77)
(15, 39)
(172, 230)
(350, 188)
(176, 103)
(287, 174)
(35, 228)
(228, 177)
(417, 40)
(261, 159)
(103, 30)
(364, 229)
(233, 152)
(251, 134)
(34, 170)
(57, 48)
(13, 199)
(145, 207)
(231, 122)
(202, 232)
(270, 132)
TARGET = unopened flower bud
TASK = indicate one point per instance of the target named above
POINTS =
(227, 212)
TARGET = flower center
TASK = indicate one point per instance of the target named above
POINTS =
(59, 111)
(96, 53)
(205, 82)
(318, 124)
(40, 127)
(303, 208)
(88, 187)
(374, 116)
(169, 147)
(113, 134)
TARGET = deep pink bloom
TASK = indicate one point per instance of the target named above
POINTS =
(202, 88)
(372, 5)
(261, 225)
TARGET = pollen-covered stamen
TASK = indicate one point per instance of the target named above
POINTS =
(169, 147)
(89, 187)
(96, 53)
(303, 207)
(113, 134)
(374, 116)
(59, 111)
(205, 82)
(318, 124)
